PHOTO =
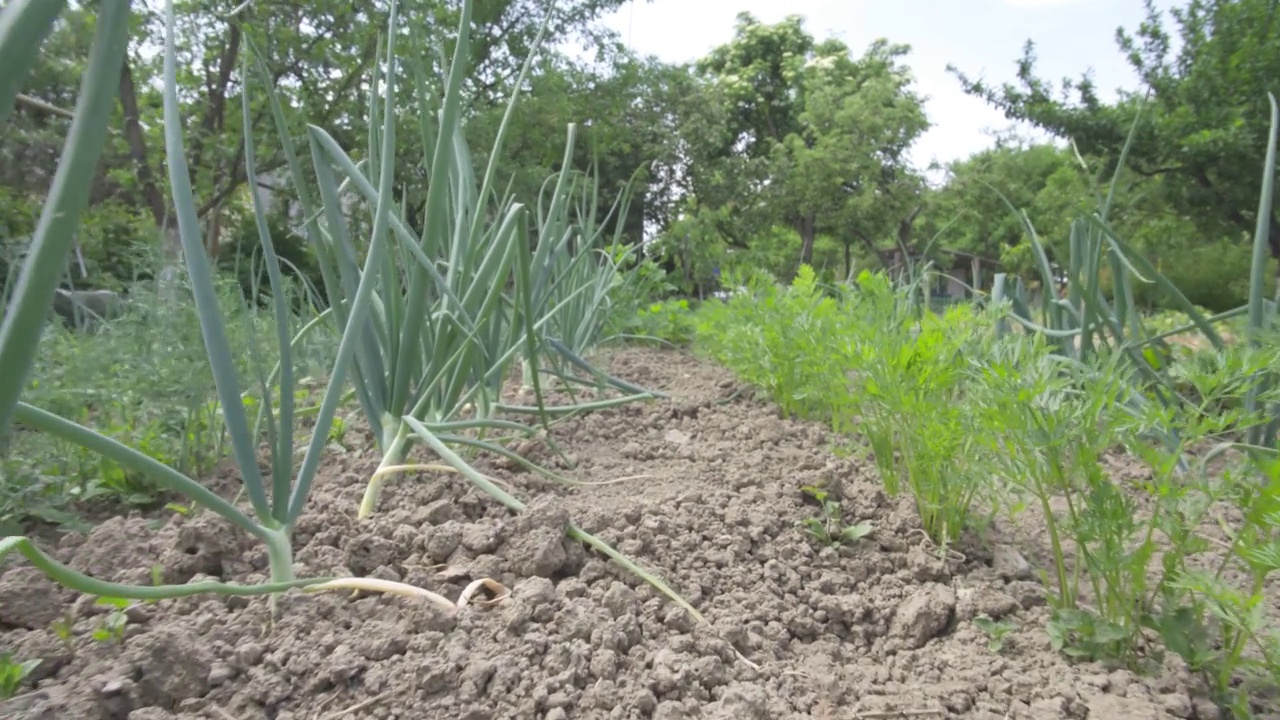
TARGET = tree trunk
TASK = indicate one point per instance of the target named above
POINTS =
(807, 228)
(137, 142)
(905, 226)
(1273, 239)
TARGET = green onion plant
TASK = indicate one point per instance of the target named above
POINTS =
(433, 322)
(576, 274)
(276, 503)
(454, 306)
(24, 24)
(1083, 320)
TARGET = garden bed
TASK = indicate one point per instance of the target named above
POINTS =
(707, 496)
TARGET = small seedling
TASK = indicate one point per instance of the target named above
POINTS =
(63, 627)
(112, 628)
(995, 630)
(338, 429)
(1084, 635)
(829, 528)
(13, 672)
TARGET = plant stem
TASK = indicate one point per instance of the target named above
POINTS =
(392, 455)
(279, 562)
(1243, 634)
(1065, 596)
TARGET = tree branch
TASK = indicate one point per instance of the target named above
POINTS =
(42, 106)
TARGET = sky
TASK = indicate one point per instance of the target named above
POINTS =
(982, 38)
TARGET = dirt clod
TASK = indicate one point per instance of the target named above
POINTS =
(1009, 563)
(25, 597)
(923, 615)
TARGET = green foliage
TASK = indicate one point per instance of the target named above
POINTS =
(1221, 629)
(1206, 118)
(242, 258)
(785, 130)
(22, 27)
(622, 105)
(1213, 274)
(856, 362)
(1055, 428)
(140, 381)
(645, 281)
(973, 420)
(905, 372)
(1044, 181)
(13, 672)
(779, 339)
(829, 527)
(115, 245)
(668, 320)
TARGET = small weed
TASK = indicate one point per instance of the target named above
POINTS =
(996, 630)
(829, 528)
(13, 672)
(64, 628)
(113, 625)
(337, 430)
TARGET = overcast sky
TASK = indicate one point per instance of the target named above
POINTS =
(983, 38)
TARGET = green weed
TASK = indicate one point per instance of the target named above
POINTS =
(668, 320)
(112, 627)
(138, 380)
(13, 672)
(64, 628)
(829, 528)
(996, 631)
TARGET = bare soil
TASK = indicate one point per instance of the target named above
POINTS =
(709, 499)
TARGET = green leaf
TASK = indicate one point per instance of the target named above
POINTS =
(23, 24)
(853, 533)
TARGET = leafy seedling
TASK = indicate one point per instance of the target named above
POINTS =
(995, 630)
(63, 627)
(13, 672)
(829, 528)
(337, 431)
(1083, 635)
(112, 627)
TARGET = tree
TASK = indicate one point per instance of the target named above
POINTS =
(317, 56)
(1045, 181)
(848, 170)
(29, 154)
(819, 137)
(619, 104)
(1204, 110)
